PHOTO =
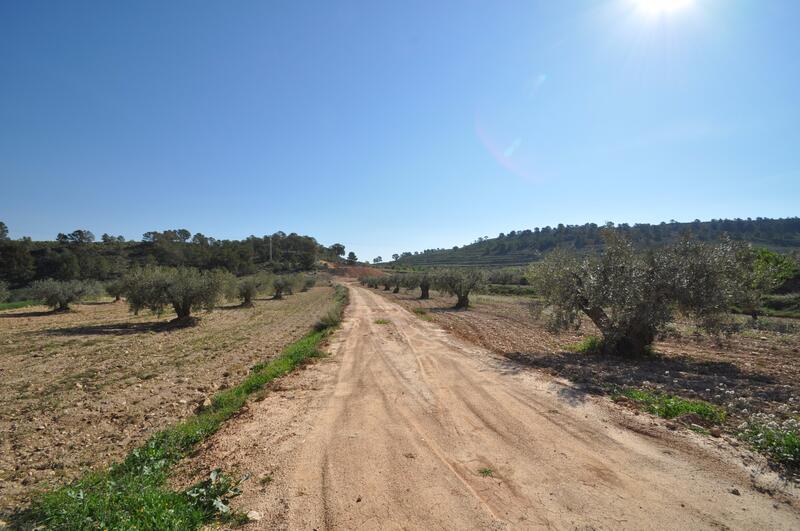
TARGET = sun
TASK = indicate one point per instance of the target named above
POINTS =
(661, 7)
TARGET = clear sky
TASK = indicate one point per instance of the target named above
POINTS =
(394, 126)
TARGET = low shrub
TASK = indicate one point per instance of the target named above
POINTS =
(779, 440)
(590, 345)
(669, 407)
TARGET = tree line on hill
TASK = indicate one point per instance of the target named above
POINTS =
(528, 245)
(79, 256)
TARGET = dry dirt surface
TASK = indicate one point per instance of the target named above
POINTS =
(405, 426)
(81, 389)
(754, 371)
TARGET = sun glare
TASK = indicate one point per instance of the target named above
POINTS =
(660, 7)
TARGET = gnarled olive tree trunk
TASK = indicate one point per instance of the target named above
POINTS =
(424, 288)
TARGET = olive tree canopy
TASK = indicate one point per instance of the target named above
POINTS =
(630, 295)
(459, 283)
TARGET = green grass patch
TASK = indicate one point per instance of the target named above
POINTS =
(669, 407)
(134, 494)
(781, 442)
(422, 313)
(508, 289)
(382, 321)
(590, 345)
(17, 304)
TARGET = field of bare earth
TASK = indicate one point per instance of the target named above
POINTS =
(81, 389)
(753, 373)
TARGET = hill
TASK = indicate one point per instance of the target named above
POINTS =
(523, 247)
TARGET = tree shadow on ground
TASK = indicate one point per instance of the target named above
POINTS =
(597, 374)
(122, 329)
(27, 314)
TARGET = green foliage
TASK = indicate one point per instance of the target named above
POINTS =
(486, 472)
(631, 295)
(309, 282)
(17, 265)
(521, 247)
(185, 289)
(352, 258)
(213, 495)
(76, 255)
(419, 279)
(59, 294)
(590, 345)
(422, 313)
(370, 281)
(250, 287)
(334, 315)
(134, 494)
(337, 249)
(116, 288)
(459, 283)
(786, 305)
(779, 440)
(508, 289)
(279, 286)
(761, 272)
(382, 321)
(4, 293)
(17, 304)
(669, 407)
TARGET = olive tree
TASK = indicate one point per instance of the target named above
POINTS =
(248, 289)
(459, 283)
(370, 281)
(279, 286)
(762, 271)
(309, 282)
(631, 295)
(59, 294)
(116, 288)
(386, 282)
(184, 288)
(421, 280)
(397, 280)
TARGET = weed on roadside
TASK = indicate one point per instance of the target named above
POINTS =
(382, 321)
(422, 313)
(669, 407)
(590, 345)
(486, 472)
(778, 440)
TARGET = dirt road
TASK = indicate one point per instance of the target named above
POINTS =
(406, 427)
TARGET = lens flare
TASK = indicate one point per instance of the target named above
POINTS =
(660, 7)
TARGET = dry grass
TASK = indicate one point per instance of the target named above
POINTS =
(81, 389)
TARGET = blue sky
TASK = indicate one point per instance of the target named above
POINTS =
(394, 126)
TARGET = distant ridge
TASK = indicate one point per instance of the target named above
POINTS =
(525, 246)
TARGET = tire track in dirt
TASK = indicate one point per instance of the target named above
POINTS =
(393, 428)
